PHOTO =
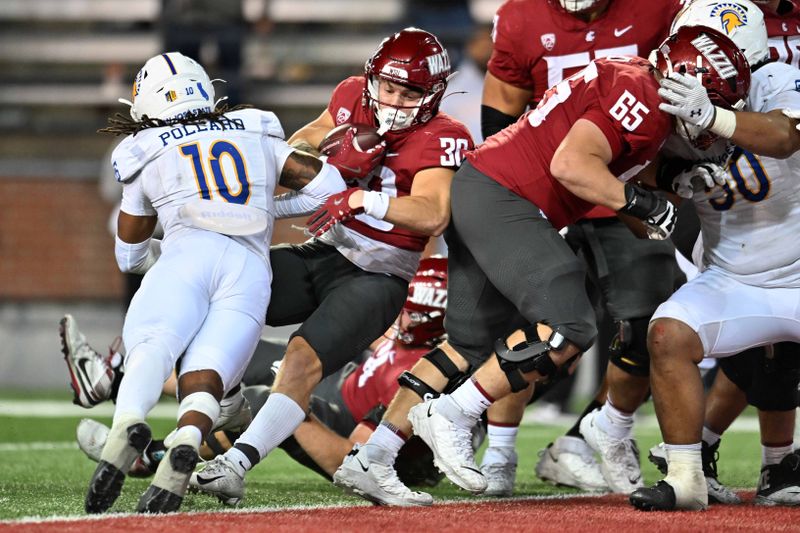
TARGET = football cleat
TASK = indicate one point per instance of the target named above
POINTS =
(570, 462)
(165, 493)
(780, 484)
(126, 441)
(499, 466)
(375, 482)
(91, 375)
(451, 446)
(234, 414)
(717, 492)
(619, 458)
(659, 497)
(219, 478)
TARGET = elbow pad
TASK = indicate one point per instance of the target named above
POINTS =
(137, 258)
(493, 121)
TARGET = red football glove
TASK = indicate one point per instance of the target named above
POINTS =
(335, 209)
(352, 162)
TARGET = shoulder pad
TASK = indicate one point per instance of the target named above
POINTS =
(130, 156)
(268, 121)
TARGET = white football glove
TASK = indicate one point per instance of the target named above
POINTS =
(703, 177)
(793, 113)
(686, 98)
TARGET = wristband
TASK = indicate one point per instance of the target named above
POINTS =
(376, 204)
(724, 123)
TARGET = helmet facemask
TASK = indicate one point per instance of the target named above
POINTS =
(392, 117)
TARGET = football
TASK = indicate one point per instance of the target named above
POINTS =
(366, 137)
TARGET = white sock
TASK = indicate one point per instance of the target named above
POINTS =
(682, 457)
(140, 388)
(618, 424)
(469, 398)
(239, 461)
(384, 444)
(190, 435)
(273, 424)
(502, 436)
(772, 455)
(709, 437)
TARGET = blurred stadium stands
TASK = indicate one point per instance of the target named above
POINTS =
(64, 64)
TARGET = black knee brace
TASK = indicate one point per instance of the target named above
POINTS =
(628, 350)
(529, 355)
(444, 365)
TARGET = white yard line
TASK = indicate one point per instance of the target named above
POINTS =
(56, 408)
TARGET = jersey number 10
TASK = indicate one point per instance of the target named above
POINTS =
(215, 154)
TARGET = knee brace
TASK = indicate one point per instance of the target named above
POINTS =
(531, 354)
(444, 365)
(628, 349)
(202, 402)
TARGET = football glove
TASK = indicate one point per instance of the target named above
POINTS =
(352, 162)
(657, 213)
(686, 98)
(707, 177)
(335, 209)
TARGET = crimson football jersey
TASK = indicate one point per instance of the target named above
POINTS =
(536, 45)
(374, 382)
(440, 142)
(783, 30)
(619, 95)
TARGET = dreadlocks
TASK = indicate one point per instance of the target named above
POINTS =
(121, 124)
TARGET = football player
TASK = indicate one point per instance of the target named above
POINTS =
(754, 210)
(515, 287)
(348, 284)
(567, 34)
(206, 174)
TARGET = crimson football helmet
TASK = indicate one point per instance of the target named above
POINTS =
(715, 61)
(422, 320)
(412, 58)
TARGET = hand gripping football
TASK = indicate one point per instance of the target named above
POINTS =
(355, 149)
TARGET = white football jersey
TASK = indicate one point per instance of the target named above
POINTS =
(751, 233)
(237, 159)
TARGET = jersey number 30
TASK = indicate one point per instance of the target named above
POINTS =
(237, 194)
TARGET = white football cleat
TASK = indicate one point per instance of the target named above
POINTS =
(219, 478)
(451, 446)
(92, 436)
(375, 482)
(91, 374)
(570, 462)
(165, 493)
(234, 414)
(499, 466)
(619, 458)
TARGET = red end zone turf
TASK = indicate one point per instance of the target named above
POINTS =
(605, 513)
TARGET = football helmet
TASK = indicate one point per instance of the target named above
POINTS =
(422, 322)
(579, 6)
(412, 58)
(169, 86)
(716, 62)
(740, 20)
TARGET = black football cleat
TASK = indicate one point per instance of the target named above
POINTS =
(165, 494)
(122, 448)
(659, 497)
(780, 484)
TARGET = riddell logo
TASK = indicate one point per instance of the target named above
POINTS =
(438, 63)
(715, 56)
(395, 72)
(429, 296)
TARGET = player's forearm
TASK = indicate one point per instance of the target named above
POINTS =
(313, 184)
(769, 134)
(420, 214)
(587, 177)
(324, 446)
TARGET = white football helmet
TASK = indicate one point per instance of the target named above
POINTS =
(740, 20)
(169, 86)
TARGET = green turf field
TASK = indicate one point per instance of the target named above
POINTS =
(44, 474)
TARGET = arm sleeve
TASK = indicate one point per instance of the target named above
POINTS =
(308, 199)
